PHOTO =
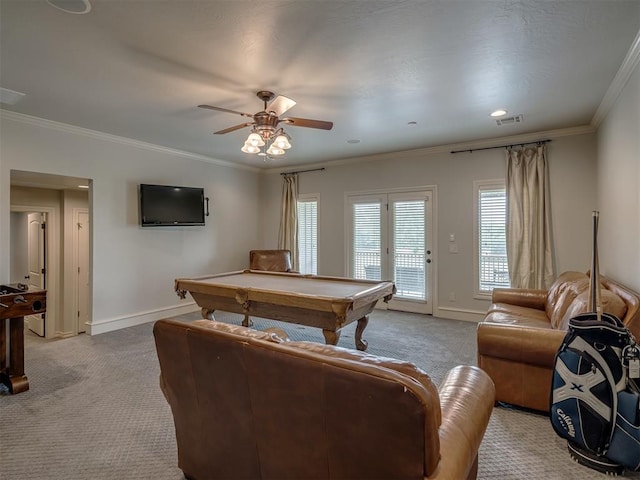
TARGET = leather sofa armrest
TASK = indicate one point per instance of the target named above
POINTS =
(524, 297)
(535, 346)
(467, 396)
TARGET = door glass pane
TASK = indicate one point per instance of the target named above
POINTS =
(409, 251)
(366, 241)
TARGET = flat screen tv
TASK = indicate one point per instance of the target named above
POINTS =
(168, 205)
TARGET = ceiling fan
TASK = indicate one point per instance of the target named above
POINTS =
(266, 123)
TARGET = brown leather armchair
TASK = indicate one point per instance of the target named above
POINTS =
(249, 404)
(271, 260)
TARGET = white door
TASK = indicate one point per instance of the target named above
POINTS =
(82, 242)
(390, 237)
(36, 265)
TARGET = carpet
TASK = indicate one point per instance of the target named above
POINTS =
(94, 409)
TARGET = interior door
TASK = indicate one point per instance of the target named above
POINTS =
(36, 265)
(390, 239)
(82, 241)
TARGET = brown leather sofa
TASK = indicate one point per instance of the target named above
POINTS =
(249, 404)
(523, 329)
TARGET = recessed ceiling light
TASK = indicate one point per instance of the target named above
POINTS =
(499, 113)
(353, 141)
(412, 124)
(77, 7)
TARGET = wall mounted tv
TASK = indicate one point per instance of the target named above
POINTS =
(171, 206)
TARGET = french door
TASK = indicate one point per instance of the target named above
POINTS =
(390, 238)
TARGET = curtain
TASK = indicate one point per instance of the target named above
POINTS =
(529, 248)
(288, 236)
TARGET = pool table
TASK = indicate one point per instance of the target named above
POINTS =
(328, 303)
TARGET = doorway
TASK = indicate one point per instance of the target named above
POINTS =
(60, 205)
(390, 237)
(34, 247)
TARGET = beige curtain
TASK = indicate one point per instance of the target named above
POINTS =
(529, 248)
(288, 237)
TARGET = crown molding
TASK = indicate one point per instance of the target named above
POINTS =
(72, 129)
(475, 144)
(515, 139)
(625, 71)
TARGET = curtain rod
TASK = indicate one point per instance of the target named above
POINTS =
(539, 142)
(303, 171)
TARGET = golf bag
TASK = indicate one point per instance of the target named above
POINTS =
(595, 401)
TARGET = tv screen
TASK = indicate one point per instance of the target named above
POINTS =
(167, 205)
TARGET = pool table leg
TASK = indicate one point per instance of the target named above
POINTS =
(207, 314)
(361, 344)
(247, 321)
(331, 337)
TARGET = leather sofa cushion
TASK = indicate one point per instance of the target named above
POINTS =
(517, 315)
(562, 294)
(611, 303)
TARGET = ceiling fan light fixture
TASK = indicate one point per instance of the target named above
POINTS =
(265, 126)
(250, 148)
(282, 142)
(254, 140)
(275, 151)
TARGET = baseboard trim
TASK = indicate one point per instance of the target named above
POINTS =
(60, 334)
(460, 314)
(111, 324)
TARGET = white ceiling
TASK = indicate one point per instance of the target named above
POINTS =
(138, 69)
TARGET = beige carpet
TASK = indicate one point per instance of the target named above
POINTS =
(94, 410)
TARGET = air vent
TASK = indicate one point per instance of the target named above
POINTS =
(509, 120)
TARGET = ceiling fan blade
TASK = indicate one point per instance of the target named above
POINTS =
(233, 129)
(306, 122)
(281, 104)
(220, 109)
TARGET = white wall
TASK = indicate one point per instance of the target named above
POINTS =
(619, 187)
(134, 268)
(572, 161)
(19, 258)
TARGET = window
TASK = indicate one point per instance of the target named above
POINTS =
(308, 234)
(492, 270)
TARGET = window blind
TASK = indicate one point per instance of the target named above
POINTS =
(366, 241)
(409, 254)
(308, 236)
(494, 269)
